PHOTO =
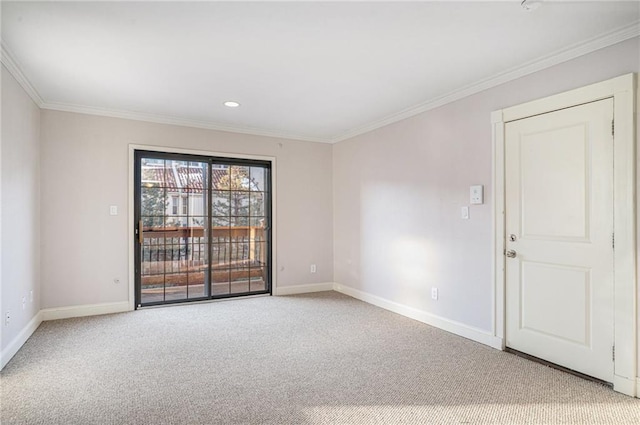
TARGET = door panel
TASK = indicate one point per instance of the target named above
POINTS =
(559, 182)
(571, 297)
(172, 208)
(239, 230)
(559, 209)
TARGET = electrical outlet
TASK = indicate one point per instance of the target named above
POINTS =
(434, 293)
(7, 318)
(476, 194)
(313, 268)
(24, 303)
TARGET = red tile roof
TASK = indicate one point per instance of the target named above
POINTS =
(190, 179)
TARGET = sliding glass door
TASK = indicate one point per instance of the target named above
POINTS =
(202, 227)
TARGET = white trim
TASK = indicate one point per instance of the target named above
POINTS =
(626, 386)
(638, 388)
(17, 343)
(274, 210)
(131, 245)
(497, 241)
(304, 289)
(461, 329)
(12, 66)
(84, 310)
(623, 90)
(170, 120)
(564, 55)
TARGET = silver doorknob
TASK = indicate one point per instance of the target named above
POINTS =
(511, 253)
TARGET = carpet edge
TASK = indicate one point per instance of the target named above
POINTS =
(14, 346)
(460, 329)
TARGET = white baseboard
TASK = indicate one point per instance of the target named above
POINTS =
(638, 388)
(626, 385)
(303, 289)
(84, 310)
(466, 331)
(13, 347)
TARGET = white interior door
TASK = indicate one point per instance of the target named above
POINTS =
(559, 226)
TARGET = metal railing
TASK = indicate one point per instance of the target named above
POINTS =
(179, 255)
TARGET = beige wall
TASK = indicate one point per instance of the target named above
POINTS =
(398, 192)
(20, 210)
(85, 170)
(379, 212)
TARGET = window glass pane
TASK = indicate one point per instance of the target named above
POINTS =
(191, 175)
(170, 176)
(232, 178)
(258, 222)
(220, 177)
(239, 221)
(239, 177)
(258, 178)
(239, 203)
(239, 280)
(152, 172)
(257, 203)
(219, 222)
(221, 205)
(153, 202)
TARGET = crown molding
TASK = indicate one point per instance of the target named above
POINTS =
(12, 66)
(572, 52)
(183, 122)
(564, 55)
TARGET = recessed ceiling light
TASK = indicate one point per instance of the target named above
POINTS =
(231, 104)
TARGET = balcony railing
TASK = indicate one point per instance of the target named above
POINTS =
(176, 256)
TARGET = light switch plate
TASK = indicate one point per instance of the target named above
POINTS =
(476, 194)
(113, 210)
(464, 213)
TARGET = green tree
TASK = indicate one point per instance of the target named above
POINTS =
(153, 201)
(236, 201)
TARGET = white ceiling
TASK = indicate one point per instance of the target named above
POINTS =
(314, 71)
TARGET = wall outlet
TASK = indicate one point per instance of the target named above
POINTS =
(434, 293)
(113, 210)
(313, 268)
(7, 318)
(24, 303)
(476, 194)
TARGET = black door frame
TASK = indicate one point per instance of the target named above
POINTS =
(211, 160)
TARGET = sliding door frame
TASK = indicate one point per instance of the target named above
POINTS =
(199, 155)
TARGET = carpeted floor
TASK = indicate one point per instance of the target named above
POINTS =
(320, 358)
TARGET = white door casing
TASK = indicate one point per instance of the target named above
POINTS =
(559, 224)
(623, 91)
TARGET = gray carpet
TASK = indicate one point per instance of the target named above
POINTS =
(308, 359)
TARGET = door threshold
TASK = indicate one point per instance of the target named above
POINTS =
(202, 301)
(558, 367)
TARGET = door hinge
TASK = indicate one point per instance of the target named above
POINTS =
(613, 353)
(613, 128)
(613, 240)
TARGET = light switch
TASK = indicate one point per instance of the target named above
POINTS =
(113, 210)
(464, 213)
(476, 194)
